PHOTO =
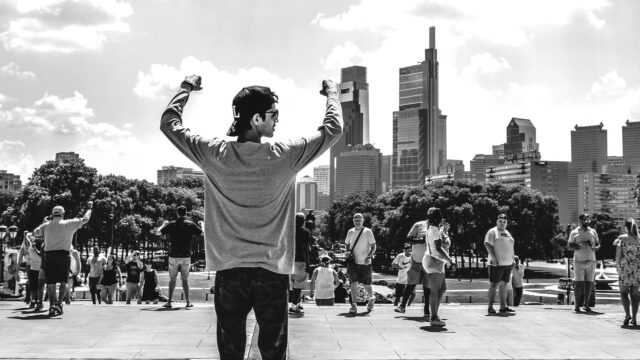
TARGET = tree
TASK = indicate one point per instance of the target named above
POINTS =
(607, 228)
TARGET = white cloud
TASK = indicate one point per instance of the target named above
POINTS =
(64, 26)
(610, 84)
(344, 55)
(7, 145)
(485, 63)
(12, 69)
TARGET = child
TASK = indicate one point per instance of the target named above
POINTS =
(327, 280)
(517, 277)
(134, 267)
(402, 262)
(149, 285)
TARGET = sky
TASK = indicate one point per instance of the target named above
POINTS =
(94, 76)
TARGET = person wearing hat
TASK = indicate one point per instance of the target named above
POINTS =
(324, 281)
(58, 235)
(250, 199)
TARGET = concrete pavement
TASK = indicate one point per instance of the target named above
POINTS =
(150, 332)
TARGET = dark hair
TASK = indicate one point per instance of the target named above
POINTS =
(502, 216)
(181, 210)
(252, 100)
(631, 226)
(434, 216)
(583, 216)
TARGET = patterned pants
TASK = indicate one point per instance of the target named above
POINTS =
(239, 290)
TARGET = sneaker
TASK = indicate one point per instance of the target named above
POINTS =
(354, 309)
(52, 310)
(491, 310)
(507, 310)
(427, 314)
(370, 304)
(399, 309)
(38, 307)
(294, 309)
(32, 305)
(587, 309)
(301, 308)
(58, 308)
(576, 309)
(437, 322)
(167, 305)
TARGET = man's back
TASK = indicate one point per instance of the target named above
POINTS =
(180, 232)
(58, 234)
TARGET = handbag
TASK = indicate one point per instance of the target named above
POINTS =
(351, 259)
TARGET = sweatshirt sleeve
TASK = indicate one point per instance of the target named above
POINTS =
(192, 146)
(305, 150)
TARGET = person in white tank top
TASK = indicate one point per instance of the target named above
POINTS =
(324, 281)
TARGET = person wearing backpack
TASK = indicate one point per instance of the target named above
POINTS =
(361, 246)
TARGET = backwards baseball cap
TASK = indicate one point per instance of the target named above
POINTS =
(247, 102)
(57, 210)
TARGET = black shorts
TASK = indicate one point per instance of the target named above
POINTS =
(359, 273)
(56, 266)
(499, 273)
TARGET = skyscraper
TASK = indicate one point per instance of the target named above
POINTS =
(419, 127)
(386, 173)
(631, 145)
(588, 155)
(521, 137)
(359, 169)
(66, 157)
(9, 181)
(321, 177)
(354, 98)
(608, 193)
(306, 194)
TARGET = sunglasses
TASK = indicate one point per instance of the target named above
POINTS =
(275, 113)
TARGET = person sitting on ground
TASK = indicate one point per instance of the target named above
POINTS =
(324, 281)
(149, 285)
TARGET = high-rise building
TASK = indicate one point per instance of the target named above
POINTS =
(321, 177)
(359, 169)
(498, 149)
(419, 127)
(608, 193)
(481, 162)
(169, 173)
(460, 175)
(354, 98)
(631, 145)
(452, 166)
(10, 181)
(306, 194)
(588, 155)
(386, 173)
(323, 202)
(66, 157)
(521, 137)
(549, 177)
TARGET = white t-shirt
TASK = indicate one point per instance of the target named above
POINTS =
(97, 265)
(502, 243)
(433, 234)
(363, 247)
(404, 262)
(418, 231)
(324, 283)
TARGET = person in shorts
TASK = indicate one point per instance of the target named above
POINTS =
(180, 232)
(416, 274)
(301, 264)
(402, 263)
(58, 235)
(584, 242)
(96, 264)
(324, 281)
(499, 244)
(74, 272)
(434, 261)
(362, 244)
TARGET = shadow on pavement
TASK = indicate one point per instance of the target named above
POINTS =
(414, 318)
(436, 329)
(347, 315)
(34, 317)
(591, 313)
(163, 309)
(499, 314)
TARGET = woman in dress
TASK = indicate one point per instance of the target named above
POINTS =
(628, 266)
(111, 279)
(150, 289)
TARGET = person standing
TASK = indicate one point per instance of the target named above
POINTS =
(584, 242)
(628, 267)
(58, 235)
(416, 274)
(133, 266)
(180, 232)
(516, 280)
(499, 244)
(402, 263)
(250, 199)
(96, 264)
(362, 245)
(324, 281)
(74, 272)
(434, 261)
(33, 264)
(301, 263)
(111, 279)
(149, 285)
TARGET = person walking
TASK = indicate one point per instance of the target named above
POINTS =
(434, 261)
(402, 263)
(499, 244)
(149, 284)
(34, 260)
(58, 235)
(74, 274)
(111, 279)
(584, 242)
(517, 278)
(324, 281)
(96, 264)
(301, 264)
(133, 266)
(416, 274)
(250, 199)
(628, 267)
(362, 245)
(180, 232)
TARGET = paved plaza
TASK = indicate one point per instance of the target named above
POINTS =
(150, 332)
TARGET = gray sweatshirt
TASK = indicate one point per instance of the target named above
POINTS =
(250, 189)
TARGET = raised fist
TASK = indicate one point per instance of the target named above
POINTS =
(90, 204)
(195, 81)
(329, 87)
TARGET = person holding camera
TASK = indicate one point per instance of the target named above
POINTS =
(584, 242)
(134, 268)
(250, 201)
(362, 246)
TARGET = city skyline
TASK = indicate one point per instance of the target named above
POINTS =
(93, 77)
